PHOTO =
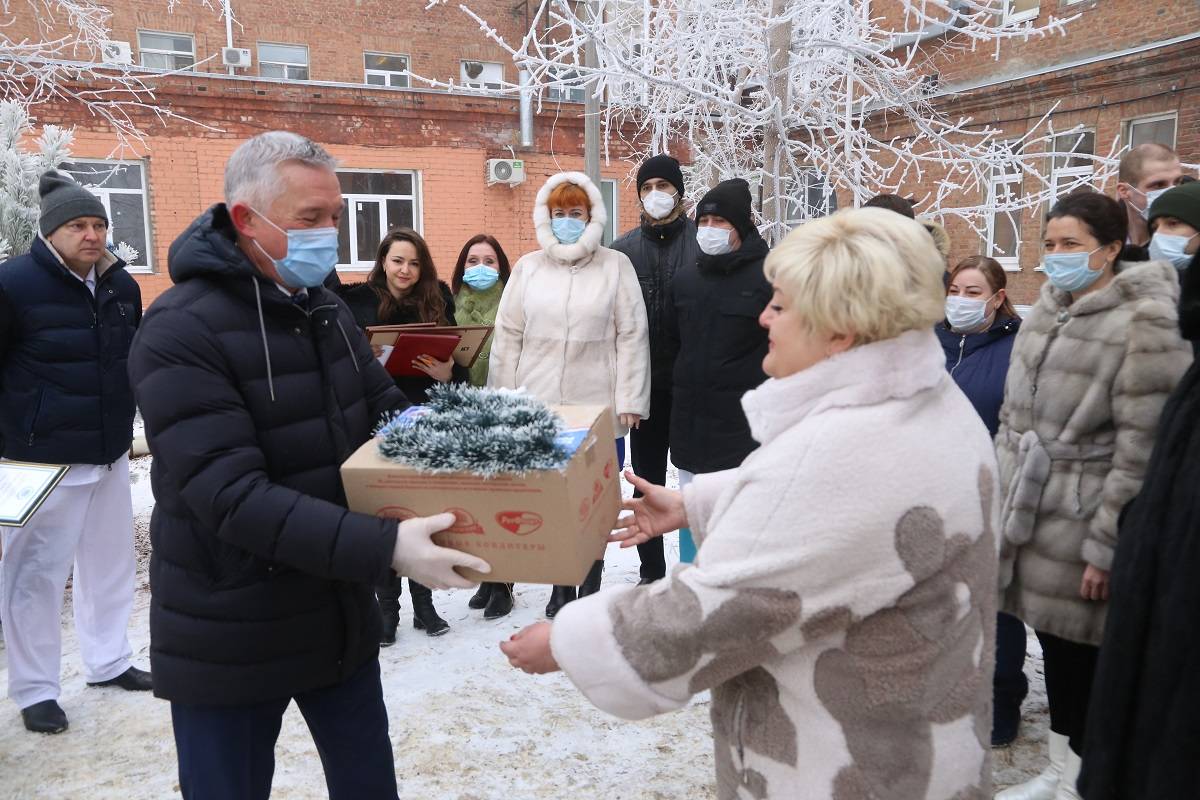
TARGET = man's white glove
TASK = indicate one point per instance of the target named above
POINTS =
(417, 557)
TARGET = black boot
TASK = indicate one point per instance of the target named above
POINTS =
(480, 598)
(388, 595)
(591, 584)
(501, 601)
(425, 616)
(44, 717)
(559, 597)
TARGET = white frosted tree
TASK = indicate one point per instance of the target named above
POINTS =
(60, 51)
(23, 159)
(804, 95)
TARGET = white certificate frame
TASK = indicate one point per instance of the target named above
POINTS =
(24, 486)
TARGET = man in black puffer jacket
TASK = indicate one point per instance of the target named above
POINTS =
(663, 243)
(68, 311)
(712, 327)
(255, 384)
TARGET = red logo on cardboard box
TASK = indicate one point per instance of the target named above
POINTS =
(396, 512)
(463, 522)
(520, 523)
(584, 508)
(597, 490)
(608, 470)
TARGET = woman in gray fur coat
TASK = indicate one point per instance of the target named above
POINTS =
(1092, 367)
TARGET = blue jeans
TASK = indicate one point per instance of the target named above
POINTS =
(228, 752)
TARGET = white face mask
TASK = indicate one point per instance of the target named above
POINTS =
(966, 314)
(714, 241)
(658, 205)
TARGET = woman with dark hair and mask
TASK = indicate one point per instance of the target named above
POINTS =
(977, 337)
(1091, 369)
(403, 288)
(479, 279)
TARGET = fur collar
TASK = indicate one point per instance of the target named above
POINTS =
(894, 369)
(589, 243)
(680, 209)
(1135, 280)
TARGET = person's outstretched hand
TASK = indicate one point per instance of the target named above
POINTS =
(659, 510)
(417, 557)
(529, 650)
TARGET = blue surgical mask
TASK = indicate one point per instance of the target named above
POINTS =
(1070, 271)
(1169, 247)
(480, 278)
(966, 314)
(312, 254)
(567, 229)
(1151, 196)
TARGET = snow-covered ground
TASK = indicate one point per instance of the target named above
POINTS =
(464, 725)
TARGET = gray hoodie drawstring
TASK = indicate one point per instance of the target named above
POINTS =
(262, 327)
(346, 339)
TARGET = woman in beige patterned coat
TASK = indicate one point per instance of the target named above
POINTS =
(841, 606)
(1091, 369)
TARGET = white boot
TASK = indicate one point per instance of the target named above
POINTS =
(1046, 785)
(1070, 776)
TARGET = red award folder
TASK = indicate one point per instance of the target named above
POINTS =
(410, 345)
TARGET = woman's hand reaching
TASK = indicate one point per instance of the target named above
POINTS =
(659, 510)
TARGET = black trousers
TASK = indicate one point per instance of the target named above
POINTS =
(228, 752)
(648, 452)
(1070, 668)
(388, 593)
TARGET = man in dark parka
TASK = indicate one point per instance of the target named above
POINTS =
(255, 384)
(663, 242)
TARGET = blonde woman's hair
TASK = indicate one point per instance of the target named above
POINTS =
(866, 272)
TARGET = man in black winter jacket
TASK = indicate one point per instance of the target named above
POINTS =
(68, 311)
(255, 384)
(663, 242)
(713, 331)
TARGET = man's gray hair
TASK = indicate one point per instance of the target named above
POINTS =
(252, 172)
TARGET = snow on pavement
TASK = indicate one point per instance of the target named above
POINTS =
(464, 725)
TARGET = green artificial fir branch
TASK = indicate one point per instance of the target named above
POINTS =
(478, 430)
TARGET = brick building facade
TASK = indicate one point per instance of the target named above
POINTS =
(344, 75)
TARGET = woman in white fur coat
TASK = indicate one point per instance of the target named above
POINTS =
(841, 607)
(571, 327)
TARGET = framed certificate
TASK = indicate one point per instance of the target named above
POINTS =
(23, 489)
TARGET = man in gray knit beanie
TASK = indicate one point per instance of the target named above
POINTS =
(73, 221)
(68, 312)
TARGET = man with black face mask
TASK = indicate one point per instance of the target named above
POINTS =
(715, 339)
(664, 242)
(255, 384)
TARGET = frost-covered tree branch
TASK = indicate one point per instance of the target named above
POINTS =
(808, 95)
(54, 51)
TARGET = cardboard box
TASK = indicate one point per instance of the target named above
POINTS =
(545, 527)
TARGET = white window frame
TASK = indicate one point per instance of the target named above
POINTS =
(829, 201)
(1020, 16)
(1070, 175)
(285, 64)
(357, 263)
(156, 51)
(1010, 262)
(104, 194)
(1130, 123)
(483, 83)
(404, 75)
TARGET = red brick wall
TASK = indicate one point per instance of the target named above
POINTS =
(446, 139)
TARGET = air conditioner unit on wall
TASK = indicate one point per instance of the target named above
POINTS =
(505, 170)
(117, 53)
(235, 56)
